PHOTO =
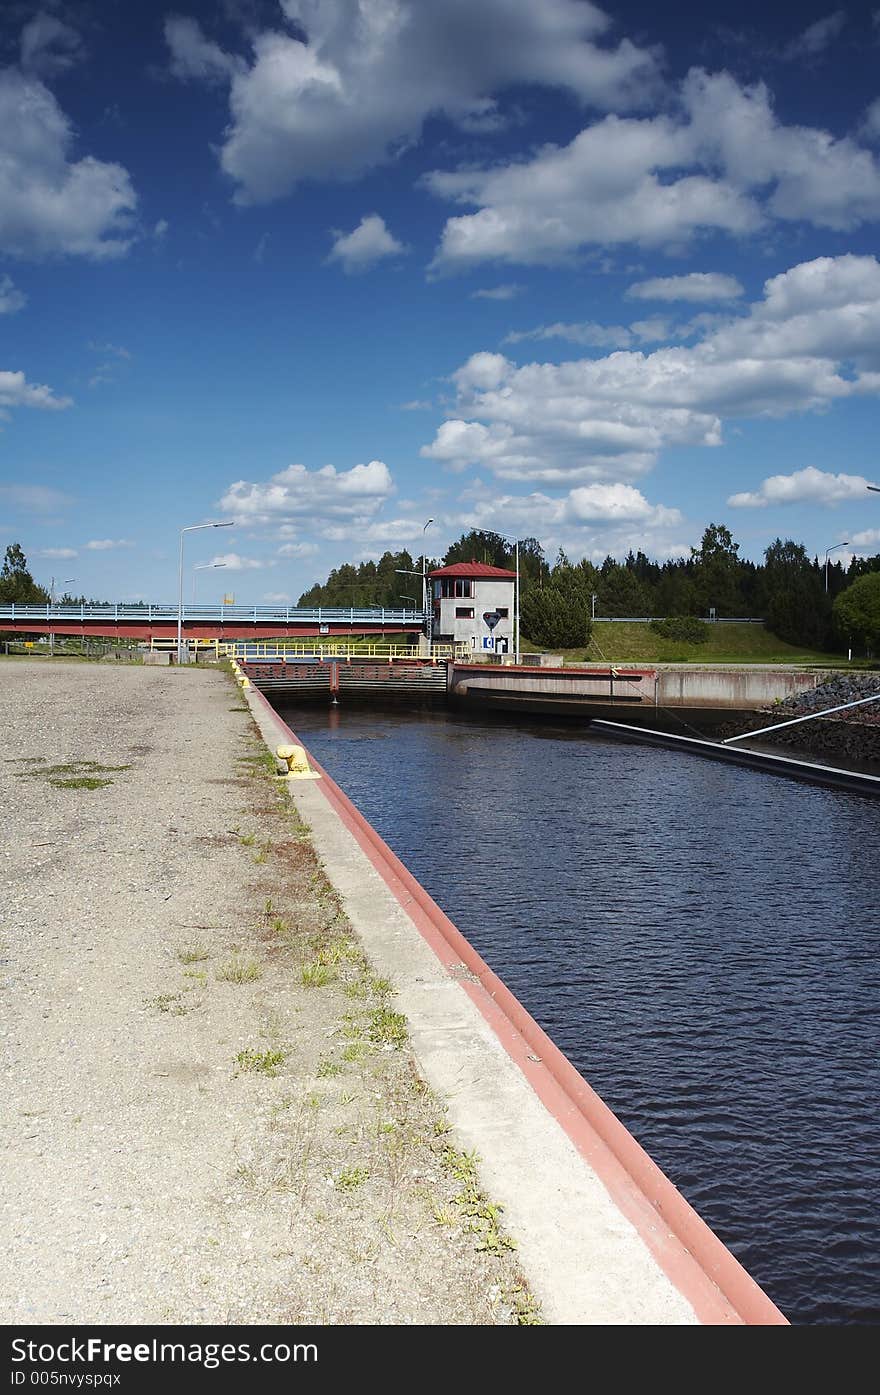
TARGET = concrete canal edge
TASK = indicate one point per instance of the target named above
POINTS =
(604, 1236)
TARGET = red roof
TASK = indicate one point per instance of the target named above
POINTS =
(475, 569)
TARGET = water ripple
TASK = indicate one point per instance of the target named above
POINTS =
(700, 940)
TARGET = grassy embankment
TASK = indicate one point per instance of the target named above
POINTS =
(634, 642)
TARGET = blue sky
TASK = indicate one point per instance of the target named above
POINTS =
(328, 268)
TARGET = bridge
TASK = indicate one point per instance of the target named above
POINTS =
(225, 622)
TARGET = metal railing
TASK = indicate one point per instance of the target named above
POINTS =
(292, 615)
(267, 650)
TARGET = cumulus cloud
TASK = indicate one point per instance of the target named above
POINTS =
(51, 205)
(11, 298)
(107, 544)
(370, 242)
(587, 522)
(722, 162)
(868, 538)
(696, 286)
(16, 391)
(807, 486)
(48, 46)
(812, 340)
(316, 495)
(356, 80)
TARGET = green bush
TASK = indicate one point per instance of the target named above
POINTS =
(686, 629)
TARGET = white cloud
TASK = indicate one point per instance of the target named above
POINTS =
(233, 562)
(417, 404)
(277, 598)
(298, 549)
(11, 298)
(813, 339)
(651, 331)
(582, 332)
(722, 163)
(586, 522)
(107, 544)
(34, 498)
(817, 37)
(868, 538)
(194, 56)
(372, 71)
(49, 204)
(698, 286)
(807, 486)
(509, 290)
(16, 391)
(870, 129)
(58, 554)
(160, 229)
(370, 242)
(48, 46)
(315, 495)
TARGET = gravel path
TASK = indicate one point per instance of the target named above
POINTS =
(153, 929)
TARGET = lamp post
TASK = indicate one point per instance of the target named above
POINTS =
(832, 549)
(52, 599)
(192, 528)
(874, 488)
(515, 542)
(204, 567)
(428, 615)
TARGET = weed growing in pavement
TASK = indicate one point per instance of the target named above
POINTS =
(327, 1069)
(387, 1028)
(350, 1178)
(316, 975)
(172, 1003)
(261, 1062)
(238, 970)
(193, 954)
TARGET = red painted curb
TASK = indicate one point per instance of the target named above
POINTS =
(713, 1281)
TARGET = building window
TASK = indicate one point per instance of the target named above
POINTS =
(464, 612)
(455, 587)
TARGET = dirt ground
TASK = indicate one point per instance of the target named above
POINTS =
(211, 1114)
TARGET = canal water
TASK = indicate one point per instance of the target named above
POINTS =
(700, 940)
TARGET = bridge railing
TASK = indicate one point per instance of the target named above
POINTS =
(270, 651)
(147, 613)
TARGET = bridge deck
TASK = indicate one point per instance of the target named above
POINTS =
(230, 622)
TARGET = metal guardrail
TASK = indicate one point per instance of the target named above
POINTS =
(269, 651)
(147, 613)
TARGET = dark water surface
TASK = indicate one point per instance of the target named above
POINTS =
(700, 940)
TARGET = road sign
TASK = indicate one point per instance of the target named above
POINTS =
(491, 618)
(489, 642)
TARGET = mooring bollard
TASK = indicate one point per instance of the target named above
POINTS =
(292, 763)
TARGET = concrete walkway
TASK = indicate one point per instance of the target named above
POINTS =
(210, 1109)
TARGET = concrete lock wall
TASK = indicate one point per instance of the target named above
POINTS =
(732, 687)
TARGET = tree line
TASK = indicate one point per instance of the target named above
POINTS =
(787, 590)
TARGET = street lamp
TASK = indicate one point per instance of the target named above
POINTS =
(52, 598)
(425, 583)
(832, 549)
(193, 528)
(204, 567)
(875, 488)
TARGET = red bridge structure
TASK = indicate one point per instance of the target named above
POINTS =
(229, 623)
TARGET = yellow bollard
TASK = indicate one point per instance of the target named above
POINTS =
(292, 763)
